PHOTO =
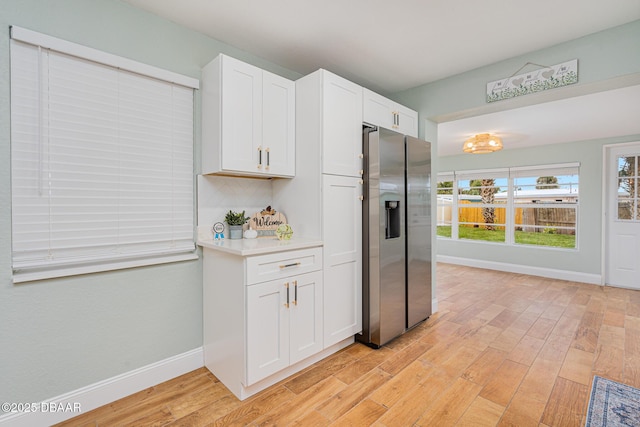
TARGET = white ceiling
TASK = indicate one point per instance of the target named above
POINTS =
(391, 46)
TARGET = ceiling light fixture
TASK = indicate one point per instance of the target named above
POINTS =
(482, 143)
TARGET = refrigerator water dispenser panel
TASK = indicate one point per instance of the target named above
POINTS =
(392, 221)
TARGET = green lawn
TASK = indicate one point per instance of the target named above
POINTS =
(525, 238)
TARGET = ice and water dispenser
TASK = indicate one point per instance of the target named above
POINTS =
(392, 221)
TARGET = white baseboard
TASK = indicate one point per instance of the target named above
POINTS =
(85, 399)
(574, 276)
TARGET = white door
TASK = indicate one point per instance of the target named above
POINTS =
(342, 236)
(278, 125)
(623, 217)
(305, 316)
(267, 329)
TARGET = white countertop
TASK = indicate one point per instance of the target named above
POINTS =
(264, 245)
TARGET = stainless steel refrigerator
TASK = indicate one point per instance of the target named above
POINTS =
(396, 234)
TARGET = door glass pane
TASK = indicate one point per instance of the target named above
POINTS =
(627, 166)
(628, 188)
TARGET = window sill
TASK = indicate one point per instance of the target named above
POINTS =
(52, 273)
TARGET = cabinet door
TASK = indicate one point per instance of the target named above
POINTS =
(407, 121)
(267, 350)
(342, 236)
(377, 110)
(381, 111)
(241, 116)
(305, 315)
(341, 126)
(278, 125)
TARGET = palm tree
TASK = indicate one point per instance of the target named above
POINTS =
(487, 191)
(445, 187)
(546, 182)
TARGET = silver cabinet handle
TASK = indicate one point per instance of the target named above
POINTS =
(290, 265)
(286, 285)
(267, 150)
(260, 157)
(295, 293)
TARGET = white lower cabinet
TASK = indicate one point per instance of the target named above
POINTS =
(284, 323)
(263, 316)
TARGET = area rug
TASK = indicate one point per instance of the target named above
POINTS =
(613, 404)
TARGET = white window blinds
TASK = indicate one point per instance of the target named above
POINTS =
(101, 165)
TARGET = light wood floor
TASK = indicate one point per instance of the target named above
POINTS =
(504, 349)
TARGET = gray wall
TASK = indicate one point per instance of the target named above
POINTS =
(59, 335)
(607, 60)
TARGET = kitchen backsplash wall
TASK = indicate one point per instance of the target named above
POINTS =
(219, 194)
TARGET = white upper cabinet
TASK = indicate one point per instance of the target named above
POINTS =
(248, 120)
(341, 126)
(278, 125)
(381, 111)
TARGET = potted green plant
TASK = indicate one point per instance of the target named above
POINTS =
(235, 220)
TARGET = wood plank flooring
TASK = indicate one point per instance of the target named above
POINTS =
(503, 350)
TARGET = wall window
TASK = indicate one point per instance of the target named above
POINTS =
(101, 160)
(545, 206)
(482, 215)
(445, 204)
(534, 205)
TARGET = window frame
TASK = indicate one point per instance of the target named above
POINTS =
(511, 174)
(28, 270)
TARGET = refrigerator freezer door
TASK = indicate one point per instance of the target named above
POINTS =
(385, 240)
(418, 230)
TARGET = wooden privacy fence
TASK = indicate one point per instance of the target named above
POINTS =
(474, 214)
(526, 219)
(548, 220)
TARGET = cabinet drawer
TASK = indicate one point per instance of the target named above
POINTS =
(283, 264)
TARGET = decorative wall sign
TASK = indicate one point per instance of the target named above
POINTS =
(266, 222)
(535, 81)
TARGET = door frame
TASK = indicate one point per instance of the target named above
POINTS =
(606, 171)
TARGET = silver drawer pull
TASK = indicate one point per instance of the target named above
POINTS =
(290, 265)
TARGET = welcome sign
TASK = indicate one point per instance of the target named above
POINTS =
(536, 81)
(266, 222)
